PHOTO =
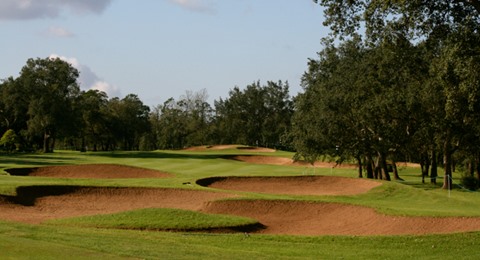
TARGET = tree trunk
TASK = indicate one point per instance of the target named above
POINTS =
(434, 173)
(425, 166)
(82, 149)
(384, 167)
(46, 140)
(376, 172)
(360, 170)
(447, 164)
(395, 172)
(477, 167)
(52, 147)
(369, 166)
(471, 167)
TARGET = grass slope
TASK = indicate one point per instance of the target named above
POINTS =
(77, 243)
(160, 219)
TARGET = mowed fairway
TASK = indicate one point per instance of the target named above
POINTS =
(211, 203)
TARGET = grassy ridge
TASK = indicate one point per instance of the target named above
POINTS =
(159, 219)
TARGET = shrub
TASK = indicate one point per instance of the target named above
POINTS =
(9, 140)
(470, 182)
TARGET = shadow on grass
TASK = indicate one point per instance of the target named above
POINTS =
(158, 155)
(31, 159)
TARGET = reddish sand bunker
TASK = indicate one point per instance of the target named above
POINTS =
(93, 171)
(35, 204)
(225, 147)
(298, 185)
(309, 218)
(262, 159)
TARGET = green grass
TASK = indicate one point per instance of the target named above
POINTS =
(85, 237)
(159, 219)
(49, 242)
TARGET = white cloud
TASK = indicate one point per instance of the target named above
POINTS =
(60, 32)
(111, 90)
(89, 79)
(37, 9)
(200, 6)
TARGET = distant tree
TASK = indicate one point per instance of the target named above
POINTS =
(46, 88)
(183, 123)
(257, 115)
(197, 113)
(92, 105)
(128, 121)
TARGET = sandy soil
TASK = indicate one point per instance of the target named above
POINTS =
(262, 159)
(224, 147)
(36, 204)
(298, 185)
(308, 218)
(97, 171)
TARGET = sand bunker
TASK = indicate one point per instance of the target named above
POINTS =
(35, 204)
(297, 185)
(262, 159)
(229, 146)
(309, 218)
(94, 171)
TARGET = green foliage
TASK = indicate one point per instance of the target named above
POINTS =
(257, 116)
(413, 18)
(40, 100)
(9, 140)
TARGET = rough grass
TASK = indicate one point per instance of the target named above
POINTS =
(160, 219)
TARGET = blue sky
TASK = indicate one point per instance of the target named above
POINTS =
(159, 49)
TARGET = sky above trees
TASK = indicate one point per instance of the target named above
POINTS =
(162, 48)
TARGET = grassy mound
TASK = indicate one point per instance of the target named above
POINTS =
(163, 219)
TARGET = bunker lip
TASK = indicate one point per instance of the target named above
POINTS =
(292, 185)
(35, 204)
(225, 147)
(92, 171)
(321, 218)
(274, 160)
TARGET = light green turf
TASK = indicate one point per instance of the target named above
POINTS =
(158, 219)
(409, 197)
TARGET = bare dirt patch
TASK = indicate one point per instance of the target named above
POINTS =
(295, 185)
(94, 171)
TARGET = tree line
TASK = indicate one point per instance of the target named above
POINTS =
(397, 80)
(44, 108)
